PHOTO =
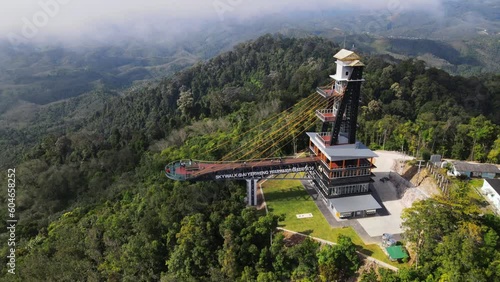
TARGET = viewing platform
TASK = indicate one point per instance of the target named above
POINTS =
(206, 170)
(328, 92)
(323, 137)
(326, 115)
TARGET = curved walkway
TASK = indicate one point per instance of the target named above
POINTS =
(331, 220)
(379, 262)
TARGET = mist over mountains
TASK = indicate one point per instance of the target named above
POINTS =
(96, 97)
(68, 57)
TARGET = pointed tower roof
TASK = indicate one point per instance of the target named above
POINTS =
(356, 63)
(346, 55)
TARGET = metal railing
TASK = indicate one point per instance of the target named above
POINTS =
(322, 114)
(322, 92)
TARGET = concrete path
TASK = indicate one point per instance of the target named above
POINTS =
(330, 218)
(379, 262)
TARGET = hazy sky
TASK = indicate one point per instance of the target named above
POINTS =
(38, 19)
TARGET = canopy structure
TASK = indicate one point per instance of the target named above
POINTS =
(396, 252)
(355, 203)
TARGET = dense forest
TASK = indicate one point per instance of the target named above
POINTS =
(93, 202)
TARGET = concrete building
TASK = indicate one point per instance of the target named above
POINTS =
(343, 174)
(487, 171)
(491, 190)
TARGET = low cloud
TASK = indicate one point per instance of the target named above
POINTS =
(55, 19)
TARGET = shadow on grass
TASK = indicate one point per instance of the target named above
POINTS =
(364, 251)
(307, 232)
(294, 193)
(480, 203)
(261, 212)
(270, 208)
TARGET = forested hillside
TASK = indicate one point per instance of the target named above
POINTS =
(425, 111)
(465, 56)
(93, 202)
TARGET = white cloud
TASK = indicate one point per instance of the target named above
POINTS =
(72, 18)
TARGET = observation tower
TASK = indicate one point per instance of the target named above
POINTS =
(343, 173)
(339, 166)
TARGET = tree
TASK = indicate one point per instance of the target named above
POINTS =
(494, 154)
(267, 277)
(281, 261)
(305, 262)
(63, 147)
(338, 262)
(185, 103)
(459, 252)
(451, 241)
(193, 255)
(483, 132)
(369, 276)
(425, 224)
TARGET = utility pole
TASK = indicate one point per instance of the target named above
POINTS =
(385, 136)
(418, 173)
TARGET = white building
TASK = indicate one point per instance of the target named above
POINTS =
(491, 190)
(475, 169)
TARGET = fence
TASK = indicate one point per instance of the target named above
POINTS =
(442, 180)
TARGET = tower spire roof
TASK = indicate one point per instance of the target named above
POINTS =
(346, 55)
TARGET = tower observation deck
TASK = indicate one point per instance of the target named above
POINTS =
(338, 164)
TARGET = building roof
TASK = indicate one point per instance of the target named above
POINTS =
(355, 203)
(342, 151)
(396, 252)
(346, 55)
(495, 183)
(356, 63)
(465, 166)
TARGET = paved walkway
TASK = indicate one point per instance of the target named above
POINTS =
(330, 218)
(379, 262)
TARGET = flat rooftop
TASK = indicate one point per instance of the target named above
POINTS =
(342, 151)
(475, 167)
(355, 203)
(396, 252)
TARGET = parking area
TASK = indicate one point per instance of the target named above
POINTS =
(390, 220)
(387, 220)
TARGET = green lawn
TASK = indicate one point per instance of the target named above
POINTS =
(475, 185)
(474, 193)
(288, 197)
(476, 197)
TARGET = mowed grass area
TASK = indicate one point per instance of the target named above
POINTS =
(475, 185)
(476, 197)
(289, 197)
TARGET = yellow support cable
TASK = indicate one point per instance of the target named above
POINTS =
(304, 130)
(302, 117)
(308, 114)
(256, 139)
(298, 118)
(286, 136)
(260, 124)
(304, 102)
